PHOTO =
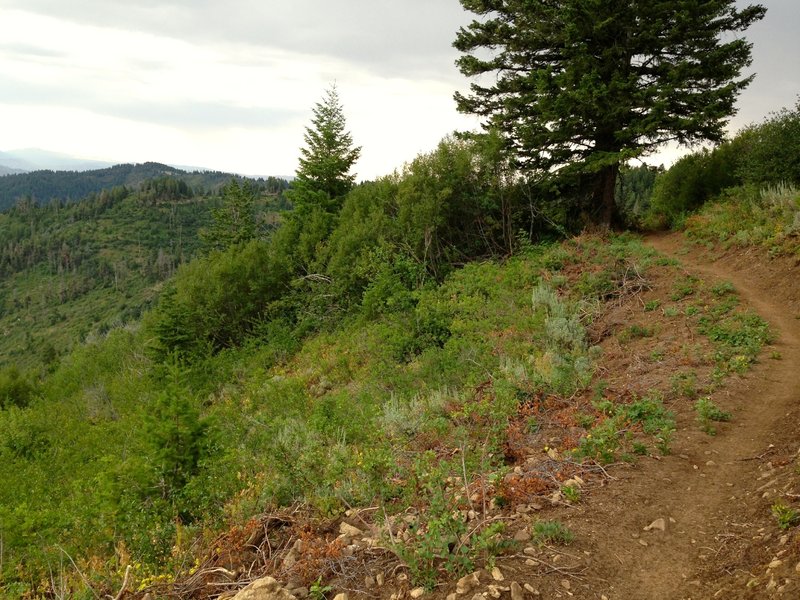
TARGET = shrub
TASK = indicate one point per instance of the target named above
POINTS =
(552, 532)
(707, 412)
(15, 389)
(770, 151)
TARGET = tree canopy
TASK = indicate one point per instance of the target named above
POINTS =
(580, 86)
(324, 176)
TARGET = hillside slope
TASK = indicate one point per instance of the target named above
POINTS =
(45, 186)
(677, 331)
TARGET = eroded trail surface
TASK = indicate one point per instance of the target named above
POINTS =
(714, 493)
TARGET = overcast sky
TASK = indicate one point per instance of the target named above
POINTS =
(230, 84)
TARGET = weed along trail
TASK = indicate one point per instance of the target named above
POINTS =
(702, 521)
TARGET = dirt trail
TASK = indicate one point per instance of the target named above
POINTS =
(708, 489)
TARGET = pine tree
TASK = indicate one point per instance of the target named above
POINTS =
(580, 86)
(177, 434)
(324, 177)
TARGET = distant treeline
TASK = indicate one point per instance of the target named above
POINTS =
(67, 186)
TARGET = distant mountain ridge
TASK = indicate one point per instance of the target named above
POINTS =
(45, 186)
(9, 170)
(36, 159)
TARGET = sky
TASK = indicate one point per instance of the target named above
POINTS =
(230, 84)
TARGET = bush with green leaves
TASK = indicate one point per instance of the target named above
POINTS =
(707, 412)
(15, 388)
(214, 301)
(769, 152)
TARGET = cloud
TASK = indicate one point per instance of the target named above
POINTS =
(411, 39)
(197, 114)
(25, 51)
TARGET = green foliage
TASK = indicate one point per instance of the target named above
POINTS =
(786, 516)
(684, 384)
(745, 216)
(317, 591)
(214, 301)
(690, 183)
(453, 203)
(324, 178)
(571, 493)
(683, 287)
(770, 151)
(738, 338)
(707, 412)
(234, 222)
(68, 272)
(15, 389)
(176, 433)
(759, 157)
(634, 191)
(158, 183)
(605, 439)
(552, 532)
(163, 189)
(633, 332)
(602, 103)
(444, 540)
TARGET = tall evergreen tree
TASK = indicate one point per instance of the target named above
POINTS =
(324, 177)
(580, 86)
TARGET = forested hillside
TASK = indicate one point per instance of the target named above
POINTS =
(70, 186)
(70, 270)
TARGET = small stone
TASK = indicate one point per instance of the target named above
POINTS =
(494, 591)
(772, 584)
(775, 563)
(467, 583)
(566, 584)
(522, 535)
(797, 568)
(530, 588)
(603, 597)
(642, 543)
(497, 574)
(417, 592)
(516, 591)
(658, 524)
(452, 596)
(530, 551)
(262, 588)
(349, 530)
(711, 463)
(478, 597)
(401, 577)
(380, 579)
(341, 596)
(531, 563)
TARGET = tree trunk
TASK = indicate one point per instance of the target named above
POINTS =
(604, 197)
